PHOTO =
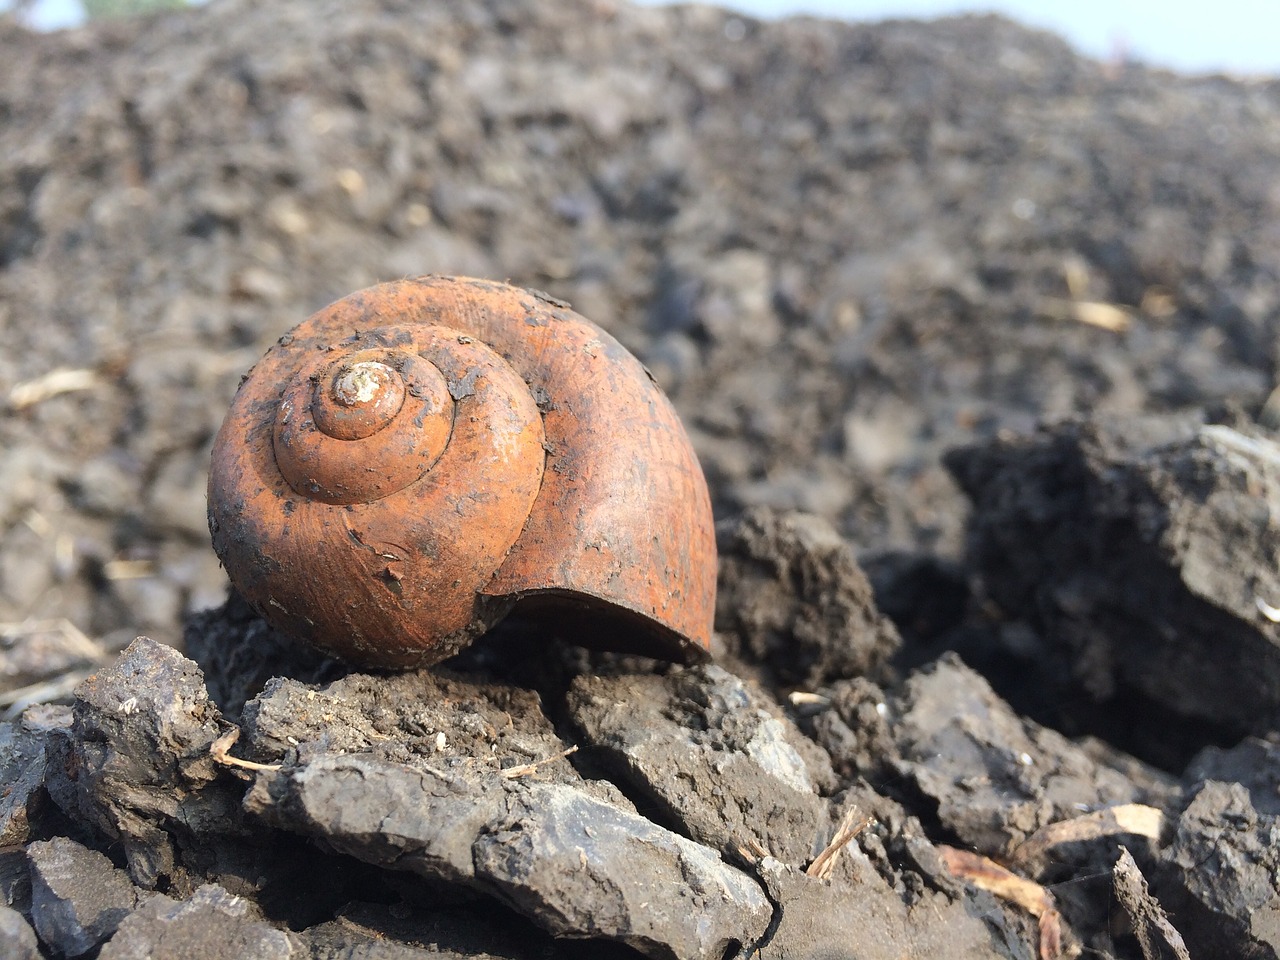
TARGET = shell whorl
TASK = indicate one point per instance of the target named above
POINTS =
(415, 460)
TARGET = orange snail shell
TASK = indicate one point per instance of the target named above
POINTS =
(414, 461)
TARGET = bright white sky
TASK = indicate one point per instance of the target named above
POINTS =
(1237, 36)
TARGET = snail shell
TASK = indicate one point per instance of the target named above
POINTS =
(414, 461)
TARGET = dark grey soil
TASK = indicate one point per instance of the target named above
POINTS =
(974, 338)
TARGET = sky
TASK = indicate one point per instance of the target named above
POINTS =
(1232, 36)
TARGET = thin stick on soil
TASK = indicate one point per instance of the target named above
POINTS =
(220, 751)
(15, 702)
(988, 875)
(1126, 818)
(526, 769)
(850, 826)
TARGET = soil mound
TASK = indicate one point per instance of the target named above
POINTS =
(974, 338)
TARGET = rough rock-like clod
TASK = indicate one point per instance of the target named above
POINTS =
(713, 755)
(581, 867)
(1144, 551)
(997, 778)
(22, 766)
(814, 917)
(401, 770)
(793, 598)
(78, 897)
(1221, 875)
(383, 813)
(212, 925)
(17, 939)
(1253, 763)
(136, 762)
(419, 773)
(709, 753)
(853, 729)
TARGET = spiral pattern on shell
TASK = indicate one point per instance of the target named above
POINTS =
(414, 461)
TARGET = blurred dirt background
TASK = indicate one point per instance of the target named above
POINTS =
(866, 261)
(842, 248)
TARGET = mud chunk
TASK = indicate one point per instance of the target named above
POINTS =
(579, 866)
(1144, 551)
(1253, 763)
(576, 865)
(713, 755)
(815, 915)
(426, 718)
(15, 879)
(135, 763)
(996, 777)
(793, 599)
(382, 813)
(853, 728)
(400, 771)
(78, 898)
(431, 745)
(17, 939)
(22, 764)
(212, 925)
(464, 783)
(401, 931)
(238, 652)
(1220, 875)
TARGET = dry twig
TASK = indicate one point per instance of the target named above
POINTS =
(1094, 313)
(1151, 924)
(526, 769)
(30, 392)
(1126, 818)
(220, 751)
(850, 826)
(988, 875)
(55, 688)
(752, 851)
